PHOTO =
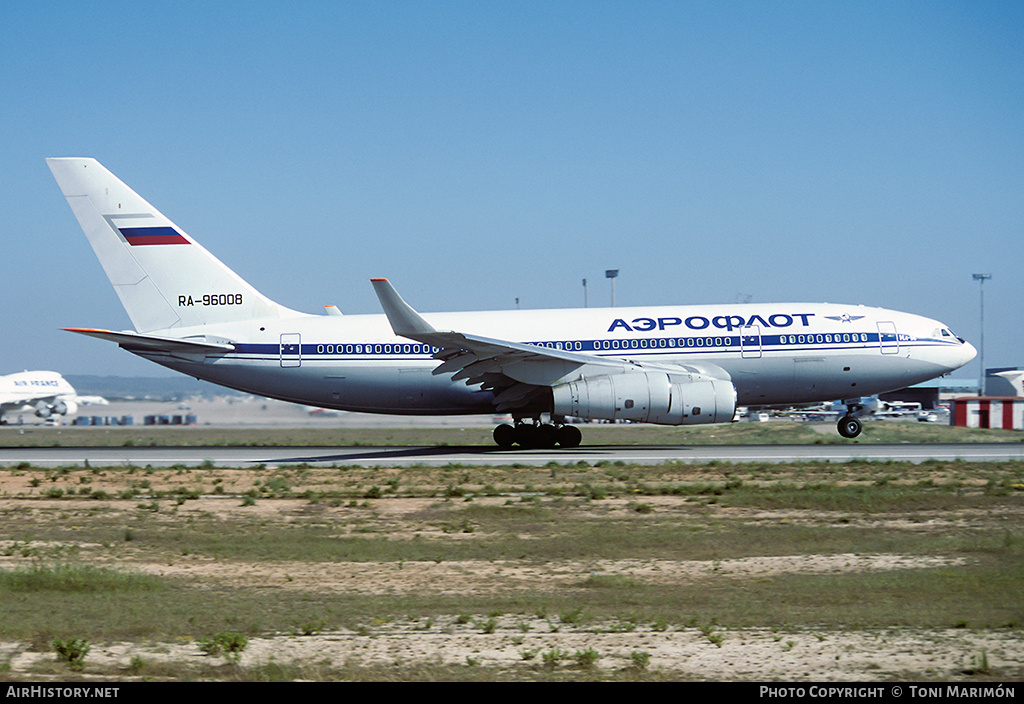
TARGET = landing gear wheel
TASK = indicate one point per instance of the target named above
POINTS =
(526, 435)
(849, 427)
(569, 436)
(547, 436)
(504, 435)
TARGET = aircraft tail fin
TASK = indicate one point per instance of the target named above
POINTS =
(164, 278)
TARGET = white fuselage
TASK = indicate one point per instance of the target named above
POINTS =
(774, 354)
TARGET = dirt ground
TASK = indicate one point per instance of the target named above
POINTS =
(512, 641)
(683, 654)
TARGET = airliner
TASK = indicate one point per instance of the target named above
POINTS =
(45, 394)
(670, 365)
(1009, 382)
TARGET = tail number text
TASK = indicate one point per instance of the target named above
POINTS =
(211, 299)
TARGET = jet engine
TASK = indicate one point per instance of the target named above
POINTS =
(60, 408)
(64, 407)
(648, 397)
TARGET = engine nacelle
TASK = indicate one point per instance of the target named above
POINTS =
(61, 408)
(64, 407)
(648, 397)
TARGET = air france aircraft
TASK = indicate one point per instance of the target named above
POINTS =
(46, 394)
(673, 365)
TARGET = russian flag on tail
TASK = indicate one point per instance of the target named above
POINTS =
(136, 236)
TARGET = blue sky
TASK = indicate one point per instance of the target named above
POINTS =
(480, 152)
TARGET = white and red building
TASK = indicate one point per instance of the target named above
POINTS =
(1000, 412)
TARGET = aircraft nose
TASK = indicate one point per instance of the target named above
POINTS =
(967, 353)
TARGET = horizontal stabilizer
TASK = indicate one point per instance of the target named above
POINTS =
(154, 343)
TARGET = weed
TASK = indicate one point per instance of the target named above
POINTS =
(710, 631)
(553, 657)
(72, 651)
(311, 628)
(586, 658)
(572, 618)
(979, 664)
(230, 645)
(640, 659)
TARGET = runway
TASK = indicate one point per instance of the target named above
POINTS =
(447, 455)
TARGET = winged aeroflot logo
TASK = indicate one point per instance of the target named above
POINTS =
(844, 318)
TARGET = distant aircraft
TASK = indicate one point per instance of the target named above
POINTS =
(672, 365)
(1009, 382)
(46, 394)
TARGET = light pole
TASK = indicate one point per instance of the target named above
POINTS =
(586, 295)
(981, 278)
(612, 274)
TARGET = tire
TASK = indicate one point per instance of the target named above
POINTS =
(569, 436)
(547, 436)
(504, 435)
(526, 435)
(849, 427)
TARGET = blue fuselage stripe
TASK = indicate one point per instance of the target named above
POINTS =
(717, 344)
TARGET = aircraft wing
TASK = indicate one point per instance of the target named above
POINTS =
(9, 402)
(513, 371)
(154, 343)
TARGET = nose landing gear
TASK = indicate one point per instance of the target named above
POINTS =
(849, 427)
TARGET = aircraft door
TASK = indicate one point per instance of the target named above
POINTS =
(291, 349)
(888, 341)
(750, 342)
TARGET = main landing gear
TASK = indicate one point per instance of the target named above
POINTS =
(537, 435)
